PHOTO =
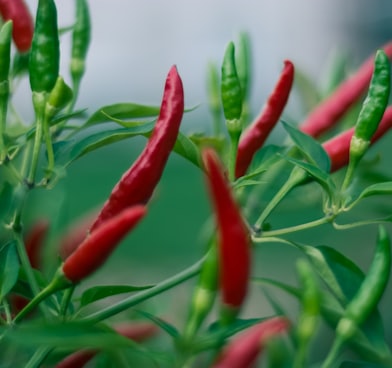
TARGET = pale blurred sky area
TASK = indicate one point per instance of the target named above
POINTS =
(134, 43)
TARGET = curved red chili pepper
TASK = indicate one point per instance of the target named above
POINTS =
(233, 236)
(136, 331)
(338, 148)
(328, 113)
(256, 134)
(23, 24)
(243, 351)
(138, 183)
(97, 247)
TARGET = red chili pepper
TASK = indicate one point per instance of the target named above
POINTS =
(34, 241)
(338, 148)
(138, 332)
(256, 134)
(138, 183)
(23, 24)
(97, 247)
(75, 235)
(328, 113)
(233, 236)
(243, 351)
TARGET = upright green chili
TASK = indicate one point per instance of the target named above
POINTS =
(371, 113)
(80, 43)
(5, 51)
(231, 94)
(43, 70)
(367, 297)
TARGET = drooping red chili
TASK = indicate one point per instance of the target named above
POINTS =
(136, 331)
(97, 247)
(34, 241)
(256, 134)
(338, 147)
(242, 351)
(138, 183)
(328, 113)
(233, 237)
(23, 24)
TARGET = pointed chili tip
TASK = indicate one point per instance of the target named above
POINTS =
(244, 349)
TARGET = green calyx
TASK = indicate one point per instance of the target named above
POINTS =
(59, 97)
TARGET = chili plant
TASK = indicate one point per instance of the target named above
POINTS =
(61, 303)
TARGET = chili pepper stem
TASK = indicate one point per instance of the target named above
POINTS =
(38, 357)
(145, 295)
(234, 140)
(39, 101)
(66, 300)
(49, 149)
(333, 353)
(296, 177)
(58, 282)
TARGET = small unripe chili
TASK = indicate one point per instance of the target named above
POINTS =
(255, 135)
(45, 50)
(23, 25)
(233, 238)
(328, 113)
(80, 41)
(60, 96)
(243, 350)
(97, 247)
(138, 183)
(231, 92)
(338, 147)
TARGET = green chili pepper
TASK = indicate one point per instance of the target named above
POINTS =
(45, 51)
(366, 298)
(231, 90)
(371, 113)
(60, 96)
(5, 51)
(310, 308)
(80, 42)
(231, 95)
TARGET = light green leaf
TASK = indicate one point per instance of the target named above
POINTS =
(9, 268)
(100, 292)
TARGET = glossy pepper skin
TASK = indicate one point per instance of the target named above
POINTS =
(137, 185)
(97, 247)
(338, 147)
(243, 350)
(233, 236)
(255, 135)
(328, 113)
(23, 25)
(45, 50)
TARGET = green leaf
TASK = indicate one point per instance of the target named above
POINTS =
(70, 335)
(70, 150)
(100, 292)
(9, 268)
(165, 326)
(312, 149)
(361, 365)
(5, 199)
(187, 149)
(119, 111)
(375, 189)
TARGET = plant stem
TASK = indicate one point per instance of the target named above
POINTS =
(333, 353)
(146, 294)
(296, 177)
(292, 229)
(38, 357)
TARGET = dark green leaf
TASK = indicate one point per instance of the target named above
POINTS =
(361, 365)
(376, 189)
(165, 326)
(70, 335)
(9, 268)
(63, 117)
(121, 111)
(99, 292)
(312, 149)
(5, 199)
